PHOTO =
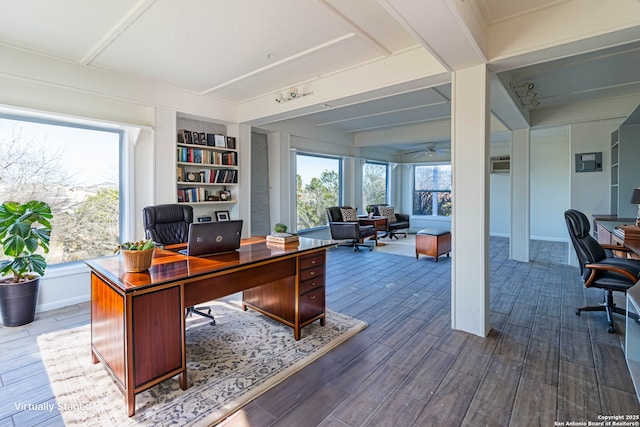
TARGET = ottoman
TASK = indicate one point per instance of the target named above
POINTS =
(433, 242)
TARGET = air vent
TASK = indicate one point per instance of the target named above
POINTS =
(500, 164)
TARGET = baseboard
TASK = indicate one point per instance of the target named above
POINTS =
(62, 303)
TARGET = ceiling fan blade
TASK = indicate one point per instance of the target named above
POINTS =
(414, 152)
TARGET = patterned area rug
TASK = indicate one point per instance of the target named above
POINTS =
(228, 365)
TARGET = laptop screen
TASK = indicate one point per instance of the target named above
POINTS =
(208, 238)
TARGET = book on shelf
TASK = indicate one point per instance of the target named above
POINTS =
(282, 238)
(193, 195)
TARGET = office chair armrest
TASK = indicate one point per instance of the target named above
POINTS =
(402, 217)
(615, 247)
(607, 267)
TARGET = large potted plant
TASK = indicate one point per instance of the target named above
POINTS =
(24, 229)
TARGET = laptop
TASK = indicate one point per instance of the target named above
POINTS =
(209, 238)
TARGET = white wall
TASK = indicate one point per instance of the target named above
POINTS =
(550, 182)
(591, 191)
(500, 195)
(500, 204)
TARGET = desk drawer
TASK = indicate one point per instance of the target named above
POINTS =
(311, 304)
(307, 285)
(312, 273)
(312, 261)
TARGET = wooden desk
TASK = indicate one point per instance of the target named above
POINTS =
(607, 232)
(137, 319)
(378, 222)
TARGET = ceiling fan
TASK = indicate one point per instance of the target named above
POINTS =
(430, 150)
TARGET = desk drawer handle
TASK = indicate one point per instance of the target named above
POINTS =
(314, 261)
(312, 297)
(312, 273)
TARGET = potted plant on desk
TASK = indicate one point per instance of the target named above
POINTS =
(137, 256)
(24, 228)
(369, 209)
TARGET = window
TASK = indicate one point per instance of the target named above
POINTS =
(75, 168)
(374, 183)
(318, 187)
(432, 190)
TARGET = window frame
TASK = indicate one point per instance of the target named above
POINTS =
(340, 160)
(386, 181)
(125, 160)
(435, 205)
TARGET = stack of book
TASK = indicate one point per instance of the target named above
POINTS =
(282, 238)
(628, 232)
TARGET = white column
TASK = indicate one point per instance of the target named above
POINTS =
(520, 195)
(470, 223)
(282, 187)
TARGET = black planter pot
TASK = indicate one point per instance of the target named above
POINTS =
(18, 302)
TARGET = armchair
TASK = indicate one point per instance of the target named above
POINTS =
(168, 225)
(350, 230)
(395, 221)
(599, 267)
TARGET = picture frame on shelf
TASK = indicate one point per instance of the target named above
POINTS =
(225, 195)
(184, 136)
(222, 216)
(220, 141)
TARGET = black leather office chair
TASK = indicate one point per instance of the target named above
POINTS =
(599, 267)
(351, 231)
(395, 221)
(168, 225)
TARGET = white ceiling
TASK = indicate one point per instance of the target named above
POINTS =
(242, 50)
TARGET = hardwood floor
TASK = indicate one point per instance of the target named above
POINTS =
(540, 363)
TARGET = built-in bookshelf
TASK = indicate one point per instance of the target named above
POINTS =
(625, 173)
(206, 163)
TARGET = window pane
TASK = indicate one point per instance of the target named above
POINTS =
(432, 190)
(433, 177)
(73, 169)
(374, 183)
(318, 187)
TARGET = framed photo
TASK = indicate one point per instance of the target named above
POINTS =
(222, 215)
(225, 195)
(220, 141)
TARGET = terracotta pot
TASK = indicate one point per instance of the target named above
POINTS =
(137, 261)
(18, 302)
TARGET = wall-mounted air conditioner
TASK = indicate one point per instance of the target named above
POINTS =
(500, 164)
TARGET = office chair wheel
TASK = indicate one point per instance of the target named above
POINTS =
(612, 329)
(577, 312)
